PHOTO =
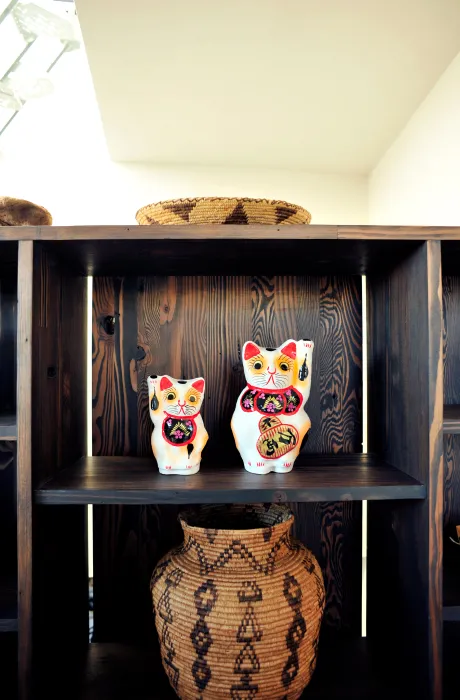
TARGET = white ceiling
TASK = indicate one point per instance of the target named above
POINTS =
(322, 85)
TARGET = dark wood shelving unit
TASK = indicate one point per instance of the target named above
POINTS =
(451, 602)
(8, 437)
(452, 419)
(451, 577)
(451, 336)
(8, 605)
(9, 655)
(451, 642)
(182, 301)
(316, 478)
(451, 386)
(8, 429)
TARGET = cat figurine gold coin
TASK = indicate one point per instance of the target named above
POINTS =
(270, 420)
(179, 435)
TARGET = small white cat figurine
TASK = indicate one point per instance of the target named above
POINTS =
(179, 435)
(270, 421)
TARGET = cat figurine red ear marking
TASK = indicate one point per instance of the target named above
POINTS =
(290, 350)
(251, 350)
(270, 421)
(165, 383)
(179, 435)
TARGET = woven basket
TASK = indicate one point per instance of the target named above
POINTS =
(222, 210)
(20, 212)
(238, 606)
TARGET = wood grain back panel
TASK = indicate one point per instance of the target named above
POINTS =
(191, 326)
(8, 329)
(451, 351)
(8, 322)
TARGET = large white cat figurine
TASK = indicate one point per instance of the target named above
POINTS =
(179, 435)
(270, 421)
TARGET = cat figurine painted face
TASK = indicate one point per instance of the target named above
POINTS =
(270, 421)
(179, 435)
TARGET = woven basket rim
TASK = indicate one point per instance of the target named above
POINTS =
(253, 200)
(186, 518)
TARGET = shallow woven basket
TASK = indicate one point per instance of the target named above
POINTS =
(222, 210)
(238, 606)
(20, 212)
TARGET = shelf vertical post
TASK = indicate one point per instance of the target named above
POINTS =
(405, 426)
(24, 464)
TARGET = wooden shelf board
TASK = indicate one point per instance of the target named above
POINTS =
(316, 478)
(117, 672)
(451, 423)
(8, 427)
(8, 605)
(135, 232)
(242, 253)
(451, 613)
(216, 249)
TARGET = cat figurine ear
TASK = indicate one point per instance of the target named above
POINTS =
(179, 435)
(270, 420)
(250, 350)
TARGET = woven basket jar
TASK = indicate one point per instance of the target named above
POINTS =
(222, 210)
(238, 606)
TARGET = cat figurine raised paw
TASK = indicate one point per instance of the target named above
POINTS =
(179, 435)
(270, 420)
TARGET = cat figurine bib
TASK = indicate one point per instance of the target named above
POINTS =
(179, 435)
(270, 420)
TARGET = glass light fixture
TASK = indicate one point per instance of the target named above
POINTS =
(33, 39)
(8, 100)
(34, 21)
(28, 86)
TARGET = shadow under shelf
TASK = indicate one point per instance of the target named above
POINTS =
(315, 478)
(119, 671)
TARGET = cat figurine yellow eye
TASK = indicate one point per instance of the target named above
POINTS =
(270, 420)
(179, 435)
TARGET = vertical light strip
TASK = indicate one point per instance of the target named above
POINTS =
(364, 523)
(89, 409)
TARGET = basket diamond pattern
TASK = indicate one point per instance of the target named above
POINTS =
(223, 210)
(243, 618)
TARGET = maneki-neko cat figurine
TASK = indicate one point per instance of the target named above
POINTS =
(179, 435)
(270, 420)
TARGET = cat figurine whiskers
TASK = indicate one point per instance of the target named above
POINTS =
(270, 420)
(179, 435)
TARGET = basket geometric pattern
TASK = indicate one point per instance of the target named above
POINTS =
(222, 210)
(238, 611)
